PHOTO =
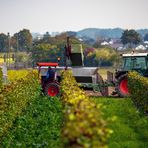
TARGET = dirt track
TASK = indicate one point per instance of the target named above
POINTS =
(97, 94)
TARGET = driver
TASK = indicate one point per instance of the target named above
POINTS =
(50, 73)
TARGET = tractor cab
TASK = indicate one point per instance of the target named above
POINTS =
(137, 62)
(49, 80)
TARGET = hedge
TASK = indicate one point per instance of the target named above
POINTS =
(84, 125)
(14, 75)
(138, 88)
(14, 98)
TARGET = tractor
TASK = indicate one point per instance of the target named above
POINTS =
(131, 62)
(88, 77)
(49, 82)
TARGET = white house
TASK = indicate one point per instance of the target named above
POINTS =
(140, 47)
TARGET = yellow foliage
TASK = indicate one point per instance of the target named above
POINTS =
(84, 126)
(16, 95)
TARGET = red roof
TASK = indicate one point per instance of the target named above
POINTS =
(47, 64)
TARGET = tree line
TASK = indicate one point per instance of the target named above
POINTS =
(50, 48)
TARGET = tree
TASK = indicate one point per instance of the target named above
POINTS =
(46, 37)
(105, 55)
(24, 39)
(130, 37)
(44, 53)
(146, 37)
(3, 42)
(98, 42)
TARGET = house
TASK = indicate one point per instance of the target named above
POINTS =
(140, 47)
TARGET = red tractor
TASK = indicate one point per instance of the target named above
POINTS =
(49, 82)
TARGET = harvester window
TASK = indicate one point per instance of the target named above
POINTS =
(134, 63)
(127, 64)
(140, 63)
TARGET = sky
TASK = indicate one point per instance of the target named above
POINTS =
(71, 15)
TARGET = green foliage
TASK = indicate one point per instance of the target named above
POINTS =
(38, 126)
(23, 57)
(131, 37)
(3, 41)
(129, 125)
(44, 53)
(138, 88)
(22, 40)
(102, 56)
(50, 48)
(14, 98)
(84, 125)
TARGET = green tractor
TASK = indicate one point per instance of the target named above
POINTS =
(131, 62)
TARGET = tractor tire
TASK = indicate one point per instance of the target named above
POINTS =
(121, 86)
(52, 89)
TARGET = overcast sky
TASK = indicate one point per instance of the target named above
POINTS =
(63, 15)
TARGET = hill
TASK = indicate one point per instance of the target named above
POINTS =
(93, 33)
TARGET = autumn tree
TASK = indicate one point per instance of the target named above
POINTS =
(105, 55)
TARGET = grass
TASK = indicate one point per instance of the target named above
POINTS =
(38, 126)
(129, 126)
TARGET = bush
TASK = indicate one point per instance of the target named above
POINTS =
(84, 125)
(15, 97)
(138, 88)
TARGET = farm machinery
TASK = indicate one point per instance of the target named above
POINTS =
(88, 77)
(131, 62)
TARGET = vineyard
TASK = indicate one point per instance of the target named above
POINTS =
(30, 119)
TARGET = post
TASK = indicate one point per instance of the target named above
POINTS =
(4, 73)
(67, 52)
(8, 54)
(16, 51)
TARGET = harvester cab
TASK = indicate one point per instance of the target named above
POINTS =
(131, 62)
(137, 62)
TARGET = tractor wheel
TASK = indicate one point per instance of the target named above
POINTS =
(121, 86)
(102, 85)
(52, 89)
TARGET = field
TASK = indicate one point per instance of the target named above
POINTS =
(130, 127)
(38, 126)
(47, 122)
